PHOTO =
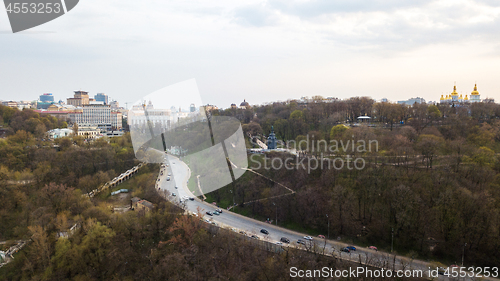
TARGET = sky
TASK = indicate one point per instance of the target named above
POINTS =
(261, 51)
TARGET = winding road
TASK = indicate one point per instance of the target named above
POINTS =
(180, 174)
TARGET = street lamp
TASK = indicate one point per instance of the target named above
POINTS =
(328, 226)
(276, 213)
(463, 253)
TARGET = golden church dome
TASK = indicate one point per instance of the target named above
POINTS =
(454, 93)
(475, 92)
(466, 98)
(441, 98)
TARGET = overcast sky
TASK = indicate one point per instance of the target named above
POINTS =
(258, 50)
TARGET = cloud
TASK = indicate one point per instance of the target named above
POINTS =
(254, 15)
(314, 8)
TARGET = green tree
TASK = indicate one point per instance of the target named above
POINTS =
(337, 131)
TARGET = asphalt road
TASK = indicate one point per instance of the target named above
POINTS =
(180, 174)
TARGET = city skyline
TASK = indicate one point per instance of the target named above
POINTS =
(269, 51)
(186, 109)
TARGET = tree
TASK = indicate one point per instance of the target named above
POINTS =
(429, 145)
(75, 129)
(337, 131)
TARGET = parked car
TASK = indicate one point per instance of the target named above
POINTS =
(216, 213)
(373, 248)
(264, 231)
(279, 243)
(168, 178)
(176, 187)
(285, 240)
(352, 248)
(169, 174)
(255, 237)
(300, 241)
(321, 236)
(173, 194)
(308, 238)
(191, 198)
(345, 249)
(209, 213)
(219, 210)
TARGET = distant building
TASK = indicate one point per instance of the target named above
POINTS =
(412, 101)
(116, 120)
(384, 100)
(26, 104)
(244, 105)
(88, 131)
(59, 107)
(140, 204)
(474, 96)
(101, 97)
(97, 115)
(59, 133)
(48, 97)
(271, 140)
(192, 108)
(208, 108)
(114, 104)
(80, 98)
(111, 134)
(454, 98)
(233, 106)
(12, 104)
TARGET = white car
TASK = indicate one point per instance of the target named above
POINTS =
(308, 238)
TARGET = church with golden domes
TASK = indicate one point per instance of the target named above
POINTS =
(454, 98)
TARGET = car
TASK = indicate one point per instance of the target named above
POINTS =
(285, 240)
(191, 198)
(169, 174)
(308, 238)
(345, 249)
(209, 213)
(321, 236)
(264, 231)
(441, 270)
(373, 248)
(255, 237)
(300, 241)
(176, 187)
(219, 210)
(352, 248)
(168, 178)
(242, 232)
(279, 243)
(173, 194)
(216, 213)
(161, 174)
